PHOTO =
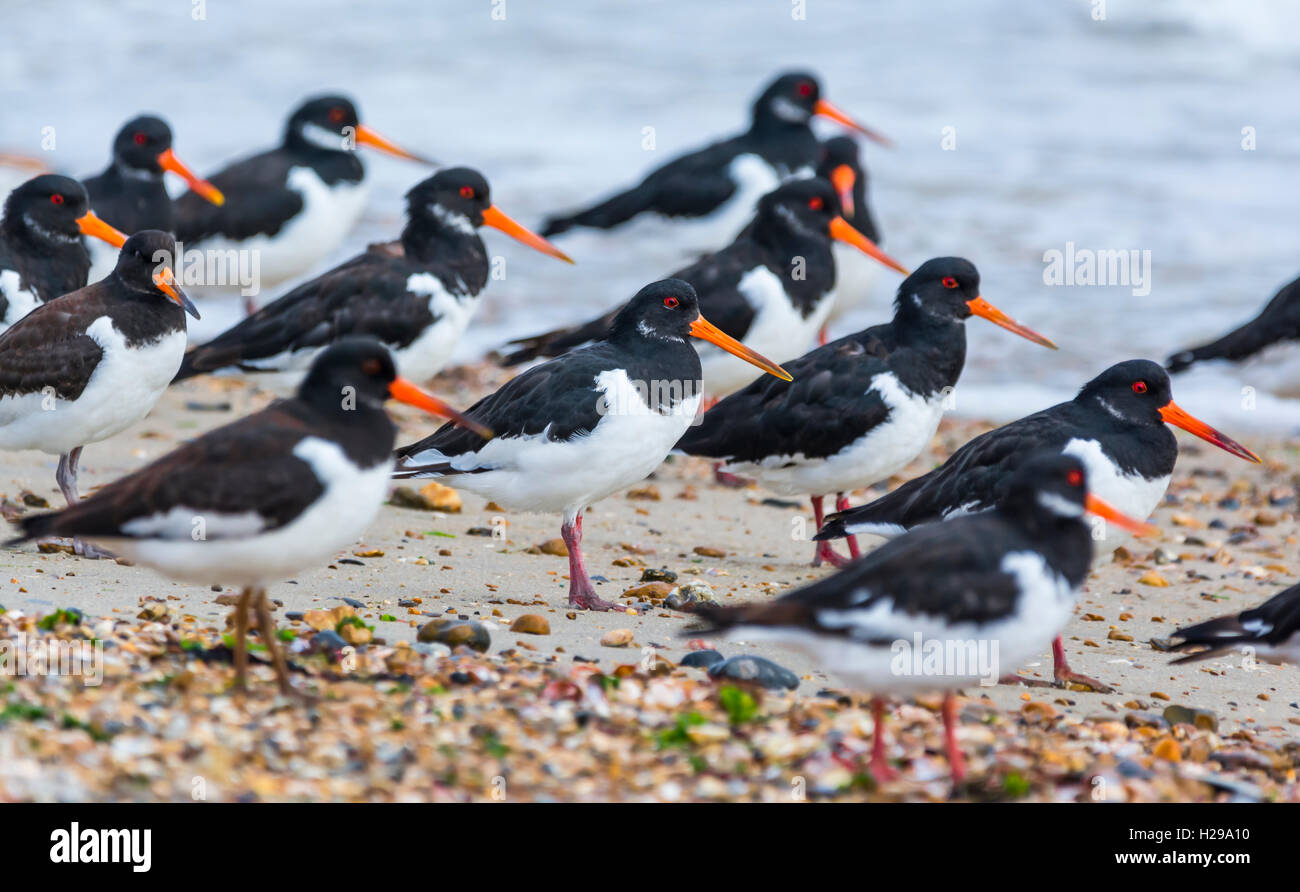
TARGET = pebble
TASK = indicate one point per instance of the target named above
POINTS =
(555, 547)
(329, 643)
(702, 659)
(441, 497)
(1205, 719)
(407, 497)
(688, 594)
(756, 669)
(651, 574)
(531, 624)
(616, 638)
(651, 590)
(647, 493)
(452, 633)
(1151, 577)
(709, 551)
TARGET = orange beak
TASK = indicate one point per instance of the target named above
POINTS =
(1094, 505)
(985, 310)
(842, 230)
(826, 110)
(404, 391)
(497, 220)
(1172, 414)
(168, 161)
(165, 280)
(93, 225)
(843, 179)
(368, 137)
(707, 331)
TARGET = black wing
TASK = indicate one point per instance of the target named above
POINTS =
(1278, 321)
(49, 348)
(1272, 623)
(827, 406)
(258, 201)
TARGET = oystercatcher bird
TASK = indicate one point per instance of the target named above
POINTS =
(42, 254)
(719, 184)
(130, 193)
(295, 203)
(580, 427)
(770, 289)
(1116, 426)
(1267, 347)
(264, 497)
(994, 587)
(855, 275)
(859, 408)
(416, 295)
(90, 364)
(1271, 632)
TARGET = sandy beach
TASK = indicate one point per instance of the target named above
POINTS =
(553, 716)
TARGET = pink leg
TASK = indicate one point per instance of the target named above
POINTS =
(880, 769)
(955, 758)
(1065, 675)
(581, 593)
(822, 337)
(822, 550)
(728, 479)
(842, 504)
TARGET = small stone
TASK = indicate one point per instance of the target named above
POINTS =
(1185, 520)
(759, 670)
(531, 624)
(154, 612)
(32, 500)
(1168, 749)
(1266, 519)
(1159, 695)
(702, 659)
(1037, 711)
(647, 493)
(354, 634)
(320, 620)
(1117, 635)
(452, 633)
(407, 497)
(709, 551)
(1151, 577)
(441, 497)
(651, 574)
(656, 590)
(229, 599)
(1203, 719)
(616, 638)
(687, 595)
(1145, 720)
(555, 547)
(494, 508)
(329, 643)
(370, 553)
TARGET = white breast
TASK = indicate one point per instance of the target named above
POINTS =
(1130, 494)
(123, 389)
(427, 354)
(883, 451)
(21, 301)
(536, 474)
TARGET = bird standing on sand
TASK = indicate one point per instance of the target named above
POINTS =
(1116, 426)
(1005, 580)
(416, 295)
(860, 408)
(770, 289)
(293, 204)
(717, 187)
(262, 498)
(42, 253)
(583, 426)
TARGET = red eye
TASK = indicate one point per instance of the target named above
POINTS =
(805, 89)
(815, 203)
(336, 115)
(370, 366)
(671, 303)
(466, 191)
(950, 282)
(139, 139)
(56, 198)
(1139, 387)
(1074, 478)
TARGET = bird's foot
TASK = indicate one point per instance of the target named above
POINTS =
(589, 600)
(881, 770)
(82, 548)
(825, 553)
(1065, 677)
(1015, 678)
(729, 480)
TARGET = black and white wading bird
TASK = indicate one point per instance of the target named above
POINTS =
(42, 253)
(1269, 632)
(770, 289)
(293, 204)
(262, 498)
(1266, 349)
(860, 408)
(1116, 426)
(416, 294)
(1006, 578)
(90, 364)
(714, 189)
(130, 194)
(578, 428)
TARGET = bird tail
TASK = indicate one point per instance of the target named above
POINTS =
(555, 342)
(606, 215)
(1211, 638)
(34, 526)
(864, 520)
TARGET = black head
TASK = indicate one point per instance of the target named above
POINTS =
(146, 265)
(836, 151)
(790, 99)
(47, 207)
(838, 163)
(1133, 391)
(805, 206)
(323, 121)
(450, 194)
(664, 311)
(352, 372)
(1050, 481)
(140, 144)
(943, 287)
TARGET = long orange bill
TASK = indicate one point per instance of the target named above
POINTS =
(167, 284)
(985, 310)
(842, 230)
(1094, 505)
(706, 330)
(843, 179)
(406, 392)
(826, 110)
(168, 161)
(90, 224)
(497, 220)
(368, 137)
(1172, 414)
